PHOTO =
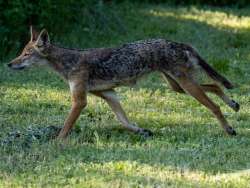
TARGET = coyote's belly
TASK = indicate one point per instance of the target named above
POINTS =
(100, 85)
(104, 84)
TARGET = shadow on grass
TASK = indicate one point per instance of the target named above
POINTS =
(176, 147)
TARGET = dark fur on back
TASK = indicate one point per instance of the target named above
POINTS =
(124, 64)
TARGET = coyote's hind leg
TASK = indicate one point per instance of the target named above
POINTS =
(213, 88)
(111, 98)
(173, 84)
(191, 87)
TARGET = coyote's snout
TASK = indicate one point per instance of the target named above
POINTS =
(100, 70)
(32, 52)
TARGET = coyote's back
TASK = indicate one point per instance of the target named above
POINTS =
(127, 63)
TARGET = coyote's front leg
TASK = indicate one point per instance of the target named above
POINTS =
(79, 101)
(111, 98)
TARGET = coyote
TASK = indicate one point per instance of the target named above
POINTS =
(100, 70)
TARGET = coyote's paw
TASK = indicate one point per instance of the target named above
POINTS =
(145, 132)
(231, 131)
(235, 106)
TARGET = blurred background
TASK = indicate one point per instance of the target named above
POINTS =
(88, 23)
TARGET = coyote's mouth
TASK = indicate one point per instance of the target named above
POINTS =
(16, 67)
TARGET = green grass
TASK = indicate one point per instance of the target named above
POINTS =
(189, 149)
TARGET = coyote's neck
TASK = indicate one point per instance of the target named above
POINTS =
(62, 60)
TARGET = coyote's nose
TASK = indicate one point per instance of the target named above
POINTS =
(9, 64)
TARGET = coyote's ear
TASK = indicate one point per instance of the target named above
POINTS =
(33, 34)
(43, 38)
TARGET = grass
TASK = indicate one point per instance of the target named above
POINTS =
(189, 149)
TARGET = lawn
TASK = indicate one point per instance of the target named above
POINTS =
(188, 149)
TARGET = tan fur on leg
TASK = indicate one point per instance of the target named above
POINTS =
(79, 101)
(111, 98)
(213, 88)
(196, 91)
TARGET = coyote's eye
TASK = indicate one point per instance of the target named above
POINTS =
(26, 54)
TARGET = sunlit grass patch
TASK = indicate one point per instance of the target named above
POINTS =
(218, 18)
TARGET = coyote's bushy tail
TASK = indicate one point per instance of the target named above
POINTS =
(213, 73)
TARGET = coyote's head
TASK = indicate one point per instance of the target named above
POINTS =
(33, 52)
